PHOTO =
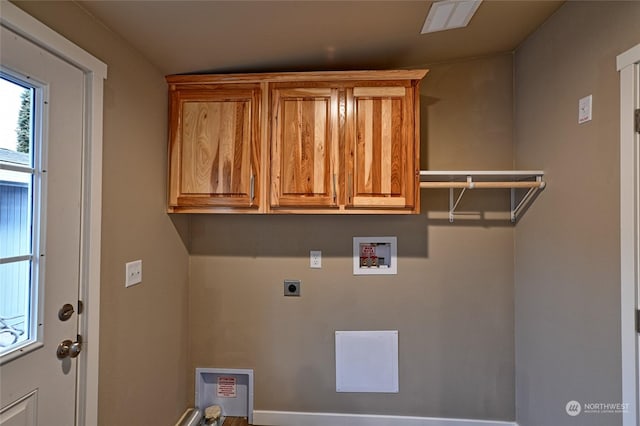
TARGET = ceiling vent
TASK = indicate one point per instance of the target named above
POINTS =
(449, 14)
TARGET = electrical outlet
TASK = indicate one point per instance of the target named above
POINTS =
(315, 259)
(133, 273)
(292, 287)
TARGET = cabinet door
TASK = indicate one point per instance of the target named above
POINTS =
(381, 148)
(214, 149)
(304, 147)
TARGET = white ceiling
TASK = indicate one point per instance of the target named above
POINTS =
(250, 36)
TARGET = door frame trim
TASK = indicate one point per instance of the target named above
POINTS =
(629, 232)
(95, 72)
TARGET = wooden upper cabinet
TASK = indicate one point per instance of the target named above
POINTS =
(304, 147)
(316, 142)
(214, 147)
(382, 147)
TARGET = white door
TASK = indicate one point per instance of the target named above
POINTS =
(38, 385)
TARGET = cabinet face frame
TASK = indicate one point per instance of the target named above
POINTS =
(226, 172)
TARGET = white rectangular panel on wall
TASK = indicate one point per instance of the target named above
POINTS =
(367, 361)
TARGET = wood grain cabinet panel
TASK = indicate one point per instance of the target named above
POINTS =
(304, 147)
(214, 148)
(381, 146)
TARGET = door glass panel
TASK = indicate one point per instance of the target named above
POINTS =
(16, 102)
(15, 215)
(14, 318)
(17, 228)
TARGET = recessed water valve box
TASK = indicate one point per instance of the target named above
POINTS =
(375, 255)
(230, 388)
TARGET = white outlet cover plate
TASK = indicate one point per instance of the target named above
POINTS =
(133, 272)
(584, 109)
(315, 259)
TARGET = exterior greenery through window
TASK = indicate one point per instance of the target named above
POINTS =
(24, 122)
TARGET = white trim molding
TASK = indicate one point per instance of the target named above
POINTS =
(629, 231)
(294, 418)
(95, 72)
(630, 57)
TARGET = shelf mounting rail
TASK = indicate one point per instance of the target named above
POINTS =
(486, 179)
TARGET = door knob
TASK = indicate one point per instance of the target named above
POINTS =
(69, 349)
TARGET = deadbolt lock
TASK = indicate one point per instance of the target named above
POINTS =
(65, 312)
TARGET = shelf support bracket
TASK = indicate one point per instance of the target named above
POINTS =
(453, 206)
(516, 208)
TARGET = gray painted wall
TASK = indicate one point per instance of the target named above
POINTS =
(567, 255)
(452, 300)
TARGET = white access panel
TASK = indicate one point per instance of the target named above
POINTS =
(367, 361)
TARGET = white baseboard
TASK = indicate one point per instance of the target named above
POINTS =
(292, 418)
